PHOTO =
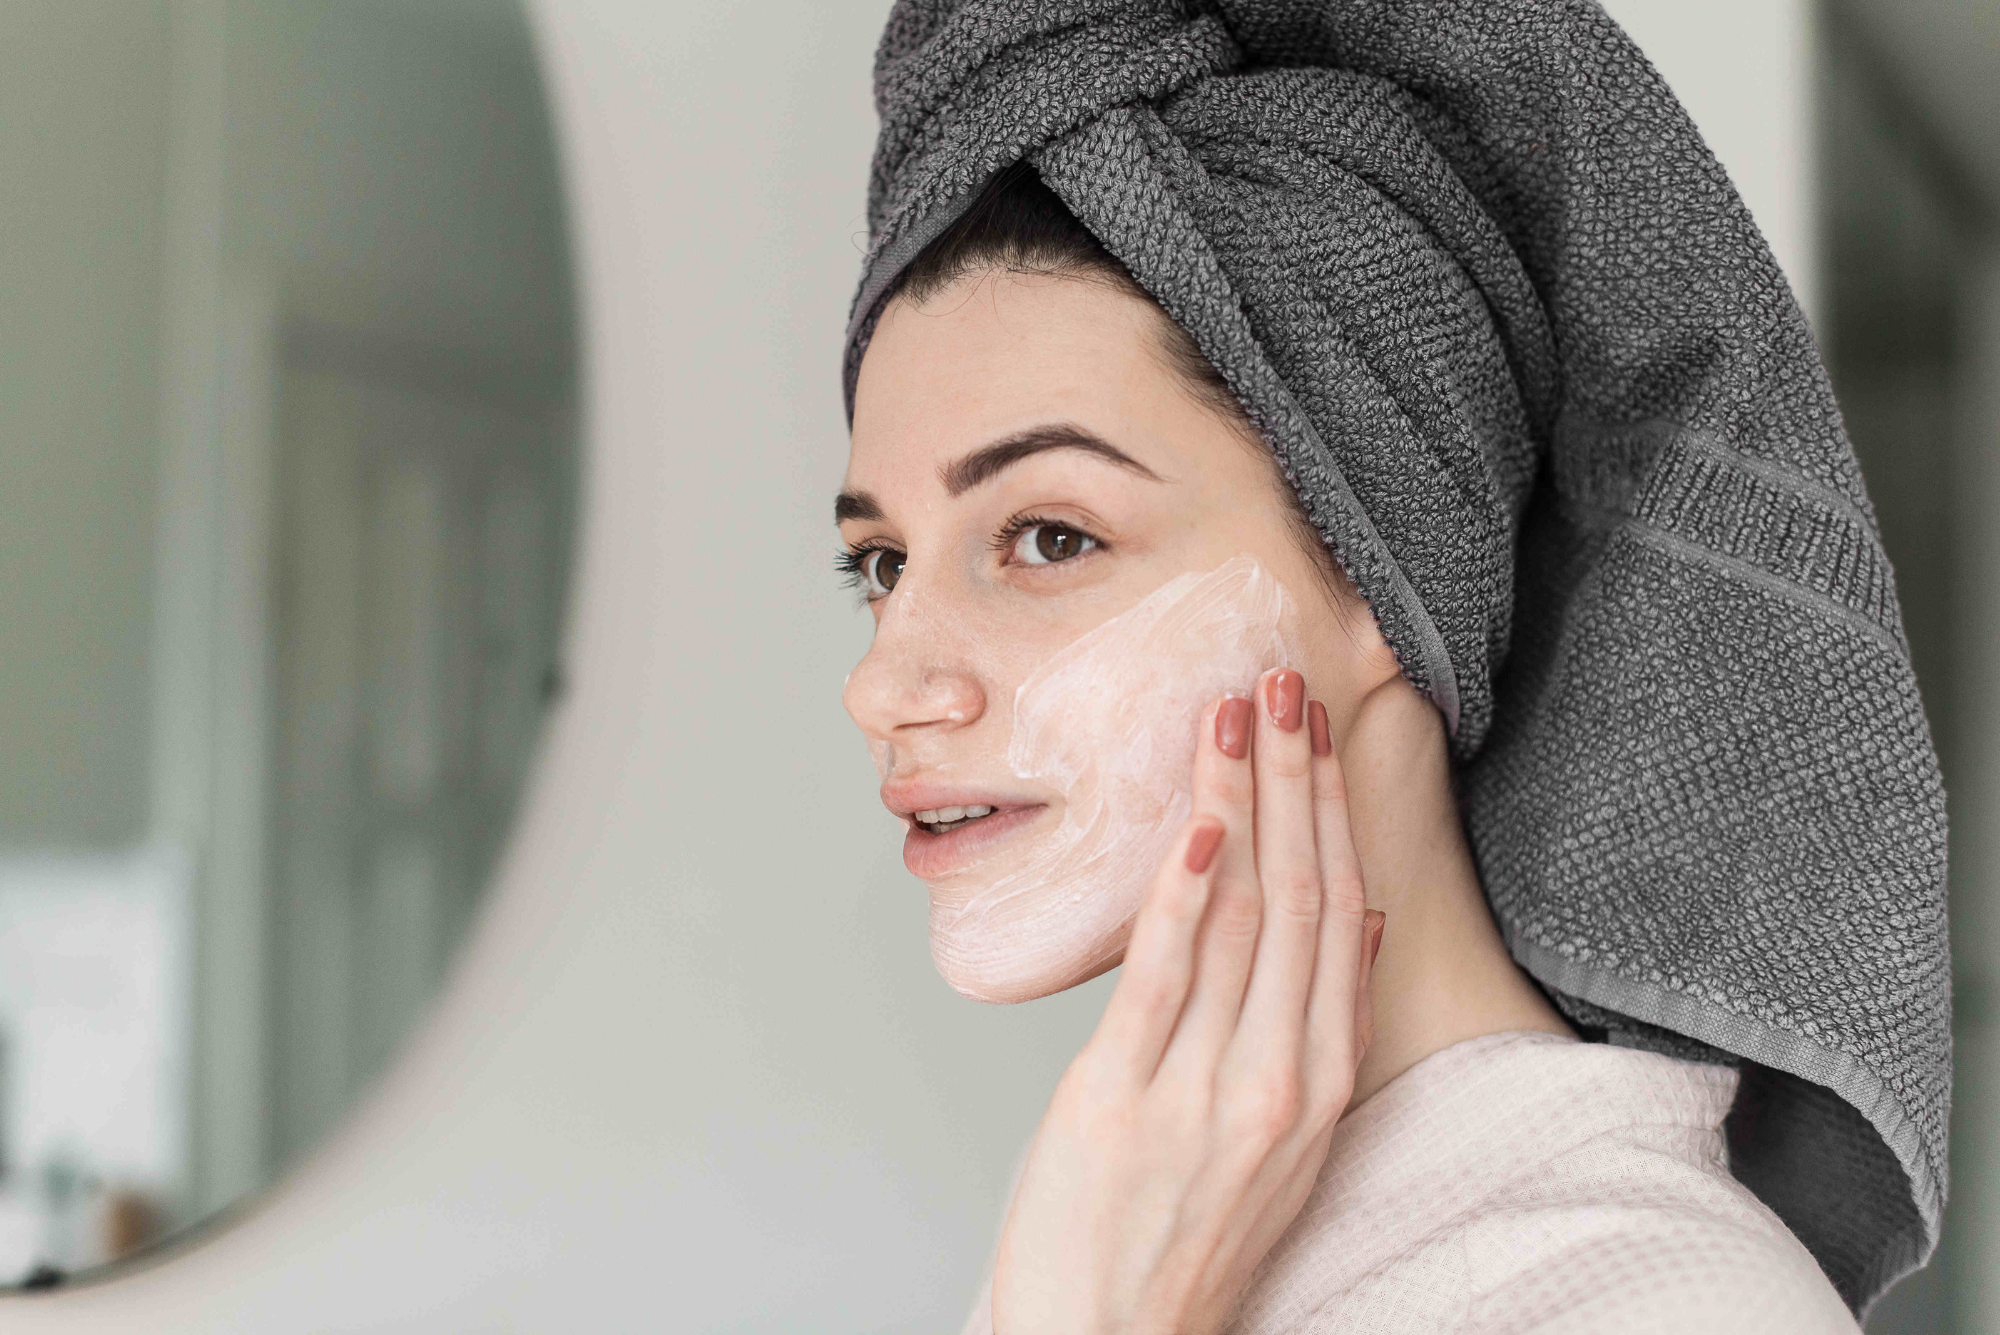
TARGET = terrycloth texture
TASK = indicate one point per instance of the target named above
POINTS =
(1517, 343)
(1526, 1183)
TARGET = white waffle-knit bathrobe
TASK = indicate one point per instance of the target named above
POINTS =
(1528, 1183)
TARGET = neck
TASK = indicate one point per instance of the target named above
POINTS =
(1443, 975)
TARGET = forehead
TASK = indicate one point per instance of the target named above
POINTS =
(1000, 353)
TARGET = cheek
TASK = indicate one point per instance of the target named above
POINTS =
(1110, 723)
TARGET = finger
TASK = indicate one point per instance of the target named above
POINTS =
(1272, 1028)
(1227, 937)
(1331, 1008)
(1159, 962)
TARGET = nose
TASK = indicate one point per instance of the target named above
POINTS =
(912, 679)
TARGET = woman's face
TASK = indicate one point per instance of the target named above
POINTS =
(1035, 499)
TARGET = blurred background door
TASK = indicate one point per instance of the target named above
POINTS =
(419, 557)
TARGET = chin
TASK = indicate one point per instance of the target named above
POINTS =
(1001, 964)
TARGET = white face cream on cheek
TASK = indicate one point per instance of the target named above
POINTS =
(1110, 722)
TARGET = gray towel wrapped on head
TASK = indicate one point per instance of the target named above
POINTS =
(1517, 343)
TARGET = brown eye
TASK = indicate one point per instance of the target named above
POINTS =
(880, 570)
(1045, 544)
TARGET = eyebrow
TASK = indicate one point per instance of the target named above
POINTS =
(855, 506)
(989, 461)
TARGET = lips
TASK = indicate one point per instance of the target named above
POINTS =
(947, 833)
(933, 856)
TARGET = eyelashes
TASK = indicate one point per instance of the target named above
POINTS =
(1054, 541)
(875, 566)
(864, 565)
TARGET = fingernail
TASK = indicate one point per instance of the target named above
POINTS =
(1201, 847)
(1322, 736)
(1232, 727)
(1376, 920)
(1285, 697)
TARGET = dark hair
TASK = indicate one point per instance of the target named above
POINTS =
(1019, 225)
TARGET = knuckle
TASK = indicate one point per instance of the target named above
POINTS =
(1156, 996)
(1296, 893)
(1237, 915)
(1271, 1108)
(1346, 896)
(1289, 766)
(1180, 902)
(1109, 1121)
(1283, 1106)
(1234, 786)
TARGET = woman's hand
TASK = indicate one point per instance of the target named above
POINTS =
(1184, 1138)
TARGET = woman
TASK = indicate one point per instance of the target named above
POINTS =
(1318, 460)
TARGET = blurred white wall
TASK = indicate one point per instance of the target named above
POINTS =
(697, 1073)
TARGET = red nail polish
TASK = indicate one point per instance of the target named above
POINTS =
(1232, 727)
(1322, 735)
(1201, 847)
(1285, 697)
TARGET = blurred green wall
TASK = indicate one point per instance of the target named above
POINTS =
(83, 123)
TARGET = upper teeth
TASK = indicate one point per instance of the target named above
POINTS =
(947, 815)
